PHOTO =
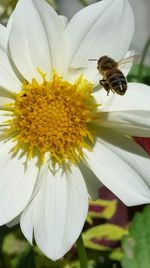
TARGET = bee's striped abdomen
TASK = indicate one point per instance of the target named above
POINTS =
(117, 81)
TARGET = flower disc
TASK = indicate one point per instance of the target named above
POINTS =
(53, 117)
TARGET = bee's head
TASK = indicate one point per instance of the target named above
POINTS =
(105, 63)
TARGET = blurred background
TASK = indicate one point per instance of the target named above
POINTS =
(114, 236)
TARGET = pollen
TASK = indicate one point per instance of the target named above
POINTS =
(53, 117)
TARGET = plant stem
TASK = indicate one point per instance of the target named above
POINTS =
(81, 252)
(141, 65)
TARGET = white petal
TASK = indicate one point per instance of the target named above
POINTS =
(4, 33)
(59, 211)
(126, 67)
(64, 21)
(101, 97)
(41, 40)
(4, 101)
(99, 30)
(4, 117)
(4, 37)
(13, 222)
(123, 167)
(92, 182)
(90, 73)
(8, 80)
(26, 220)
(135, 99)
(16, 183)
(134, 123)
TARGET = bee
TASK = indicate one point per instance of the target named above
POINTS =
(113, 78)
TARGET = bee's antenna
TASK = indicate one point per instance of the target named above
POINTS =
(92, 59)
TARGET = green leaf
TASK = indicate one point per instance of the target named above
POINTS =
(108, 232)
(25, 259)
(135, 77)
(13, 245)
(136, 245)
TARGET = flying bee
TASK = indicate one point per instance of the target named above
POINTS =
(113, 78)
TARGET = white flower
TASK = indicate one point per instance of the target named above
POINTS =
(56, 143)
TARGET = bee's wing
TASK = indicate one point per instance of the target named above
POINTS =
(128, 60)
(126, 64)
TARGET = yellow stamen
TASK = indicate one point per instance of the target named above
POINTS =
(53, 117)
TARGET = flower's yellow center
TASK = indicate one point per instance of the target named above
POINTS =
(53, 117)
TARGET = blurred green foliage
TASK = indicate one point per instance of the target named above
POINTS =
(134, 74)
(137, 244)
(6, 7)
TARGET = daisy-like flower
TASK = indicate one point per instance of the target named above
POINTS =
(59, 135)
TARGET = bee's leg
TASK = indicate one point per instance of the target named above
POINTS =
(105, 85)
